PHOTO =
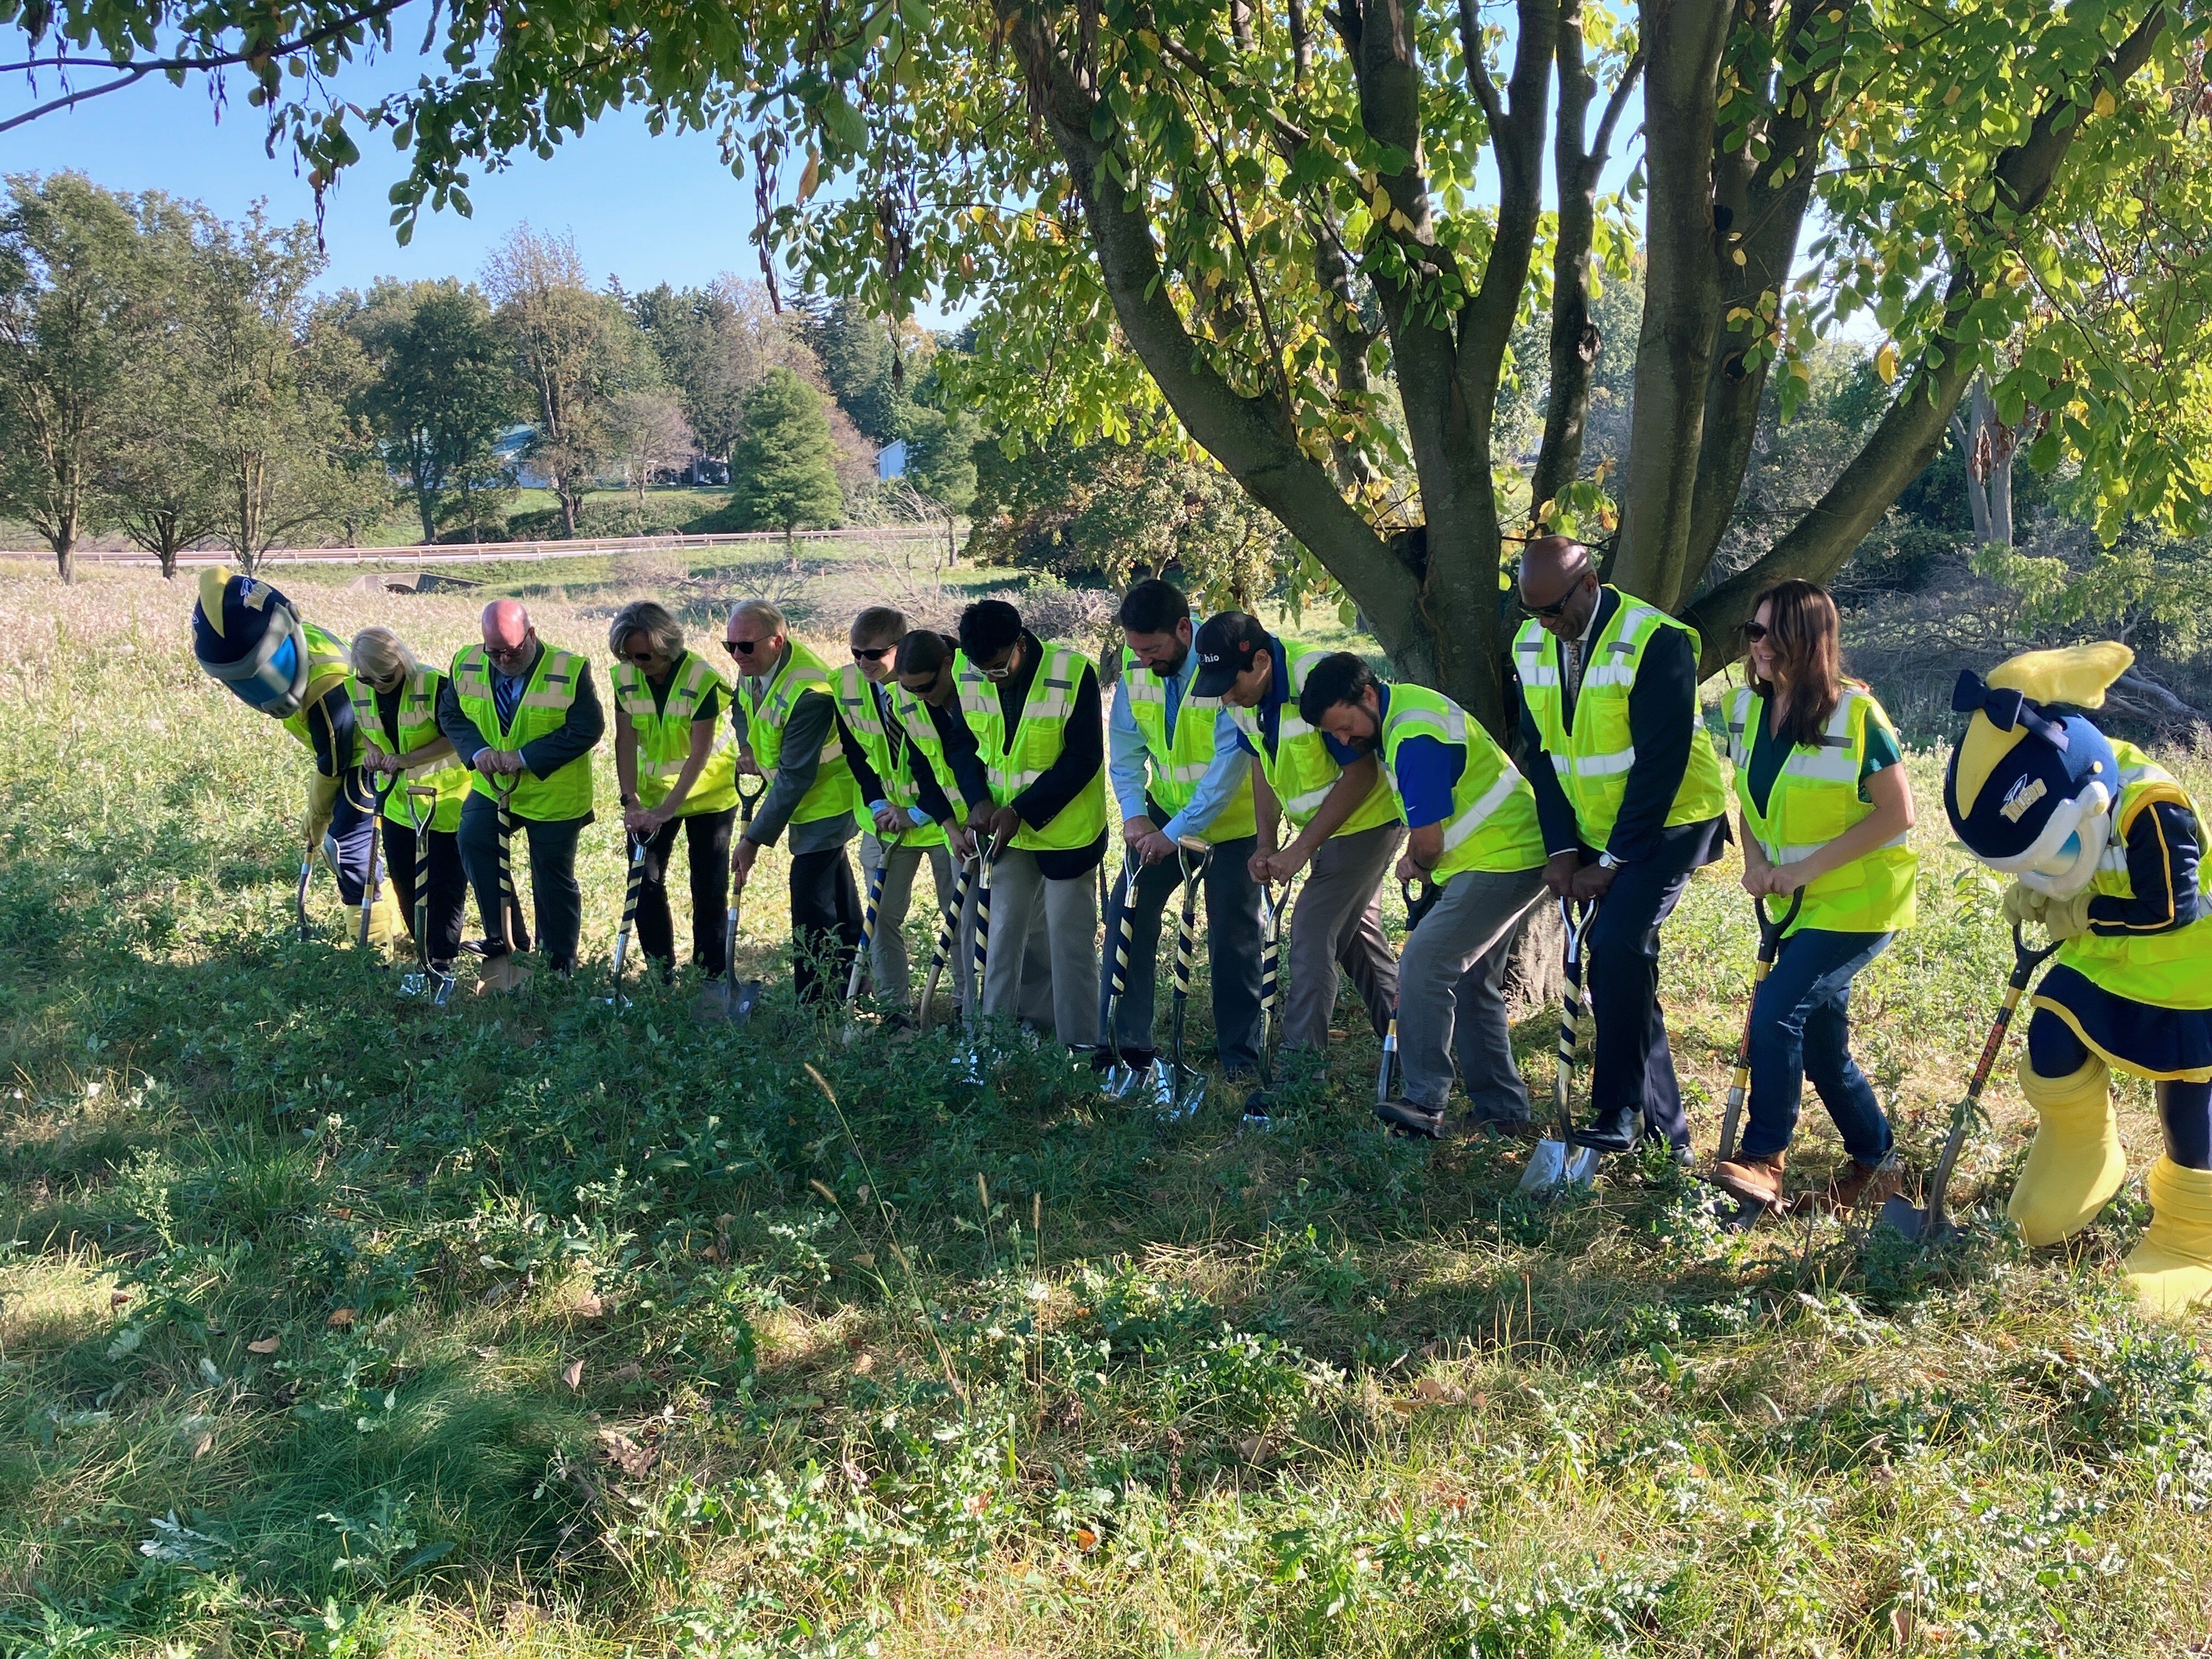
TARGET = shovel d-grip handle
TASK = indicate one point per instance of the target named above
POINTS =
(1771, 929)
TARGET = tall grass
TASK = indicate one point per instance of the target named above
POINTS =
(330, 1323)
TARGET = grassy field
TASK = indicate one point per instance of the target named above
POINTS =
(333, 1324)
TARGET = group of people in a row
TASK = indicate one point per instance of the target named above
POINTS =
(1259, 758)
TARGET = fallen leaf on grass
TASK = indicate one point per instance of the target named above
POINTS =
(1086, 1539)
(203, 1445)
(628, 1373)
(266, 1345)
(865, 1259)
(589, 1306)
(625, 1454)
(573, 1374)
(863, 1364)
(341, 1319)
(117, 1298)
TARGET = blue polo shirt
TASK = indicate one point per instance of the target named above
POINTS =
(1428, 770)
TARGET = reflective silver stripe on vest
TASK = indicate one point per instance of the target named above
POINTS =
(1782, 852)
(1595, 766)
(1484, 807)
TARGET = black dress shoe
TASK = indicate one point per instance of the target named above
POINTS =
(1403, 1117)
(1616, 1131)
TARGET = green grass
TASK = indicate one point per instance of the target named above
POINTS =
(295, 1280)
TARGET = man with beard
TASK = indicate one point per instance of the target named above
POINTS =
(1472, 833)
(1179, 774)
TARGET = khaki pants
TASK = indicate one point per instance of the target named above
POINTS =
(1448, 980)
(889, 970)
(1339, 918)
(1043, 964)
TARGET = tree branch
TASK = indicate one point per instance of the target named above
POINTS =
(1906, 437)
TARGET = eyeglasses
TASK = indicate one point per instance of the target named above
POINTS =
(506, 654)
(740, 648)
(875, 654)
(1558, 608)
(643, 658)
(1754, 632)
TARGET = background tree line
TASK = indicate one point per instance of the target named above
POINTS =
(176, 379)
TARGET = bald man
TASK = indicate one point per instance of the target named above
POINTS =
(524, 718)
(1628, 794)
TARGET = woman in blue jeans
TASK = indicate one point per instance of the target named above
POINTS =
(1824, 806)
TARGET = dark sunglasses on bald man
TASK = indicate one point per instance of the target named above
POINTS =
(739, 648)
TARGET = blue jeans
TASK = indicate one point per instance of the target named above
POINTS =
(1801, 1027)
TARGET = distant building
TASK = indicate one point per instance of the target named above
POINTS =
(891, 460)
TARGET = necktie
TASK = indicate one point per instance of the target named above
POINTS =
(506, 696)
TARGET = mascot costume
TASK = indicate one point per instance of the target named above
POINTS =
(250, 638)
(2103, 846)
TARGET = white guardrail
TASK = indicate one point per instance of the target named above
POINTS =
(488, 552)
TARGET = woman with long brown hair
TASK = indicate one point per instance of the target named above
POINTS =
(1826, 808)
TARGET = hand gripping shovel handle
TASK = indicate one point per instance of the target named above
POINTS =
(2025, 962)
(1770, 946)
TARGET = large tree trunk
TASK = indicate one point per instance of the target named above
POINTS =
(65, 557)
(1681, 295)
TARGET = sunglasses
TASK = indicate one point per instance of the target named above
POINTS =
(1004, 671)
(1754, 632)
(740, 648)
(641, 657)
(875, 654)
(1557, 609)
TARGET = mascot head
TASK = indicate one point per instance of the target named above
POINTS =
(2031, 789)
(248, 635)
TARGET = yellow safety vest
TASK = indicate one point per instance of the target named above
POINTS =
(926, 747)
(2171, 970)
(1814, 800)
(1300, 771)
(769, 709)
(543, 710)
(1592, 761)
(664, 735)
(1181, 758)
(887, 748)
(328, 665)
(414, 724)
(1038, 742)
(1493, 818)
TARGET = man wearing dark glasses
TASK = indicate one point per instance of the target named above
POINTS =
(898, 790)
(525, 719)
(1629, 796)
(1036, 774)
(785, 716)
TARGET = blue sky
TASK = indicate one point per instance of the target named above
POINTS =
(643, 209)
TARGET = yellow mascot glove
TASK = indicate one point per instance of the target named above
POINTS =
(2067, 918)
(322, 803)
(2023, 905)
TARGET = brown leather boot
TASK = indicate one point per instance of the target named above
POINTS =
(1751, 1180)
(1858, 1183)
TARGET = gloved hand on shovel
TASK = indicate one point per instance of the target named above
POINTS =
(2059, 918)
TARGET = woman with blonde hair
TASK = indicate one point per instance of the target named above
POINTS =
(395, 709)
(1826, 809)
(675, 765)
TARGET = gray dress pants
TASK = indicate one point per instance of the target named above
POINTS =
(1339, 918)
(1232, 944)
(889, 970)
(1449, 985)
(1043, 964)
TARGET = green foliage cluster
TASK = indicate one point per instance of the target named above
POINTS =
(332, 1322)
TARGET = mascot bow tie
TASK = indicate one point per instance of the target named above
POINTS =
(2004, 709)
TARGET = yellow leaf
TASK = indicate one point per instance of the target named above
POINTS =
(812, 177)
(1400, 222)
(1951, 96)
(1885, 363)
(2105, 104)
(1380, 206)
(1738, 256)
(266, 1345)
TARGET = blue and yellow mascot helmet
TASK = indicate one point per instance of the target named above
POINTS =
(2032, 784)
(248, 635)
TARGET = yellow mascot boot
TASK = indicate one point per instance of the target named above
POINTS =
(386, 928)
(2170, 1271)
(2076, 1163)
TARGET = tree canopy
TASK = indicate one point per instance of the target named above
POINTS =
(1314, 234)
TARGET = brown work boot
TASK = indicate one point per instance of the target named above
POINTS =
(1756, 1181)
(1858, 1183)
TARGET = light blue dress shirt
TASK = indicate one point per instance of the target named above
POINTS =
(1128, 763)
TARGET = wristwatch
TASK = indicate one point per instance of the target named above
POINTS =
(1606, 861)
